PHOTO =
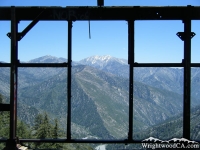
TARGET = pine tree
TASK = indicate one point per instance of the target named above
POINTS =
(1, 99)
(56, 134)
(1, 102)
(4, 124)
(23, 130)
(42, 129)
(47, 126)
(38, 121)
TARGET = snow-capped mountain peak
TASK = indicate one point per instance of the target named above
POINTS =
(107, 63)
(96, 58)
(102, 61)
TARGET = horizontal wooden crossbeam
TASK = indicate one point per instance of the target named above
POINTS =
(4, 107)
(78, 13)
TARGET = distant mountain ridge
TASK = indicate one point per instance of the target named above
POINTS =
(48, 59)
(104, 95)
(100, 94)
(166, 78)
(108, 63)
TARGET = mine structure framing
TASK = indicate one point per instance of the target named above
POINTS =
(105, 13)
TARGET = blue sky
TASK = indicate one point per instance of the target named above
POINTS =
(155, 41)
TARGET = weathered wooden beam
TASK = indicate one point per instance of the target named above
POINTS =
(103, 13)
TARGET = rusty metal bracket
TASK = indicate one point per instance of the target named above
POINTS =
(181, 35)
(20, 35)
